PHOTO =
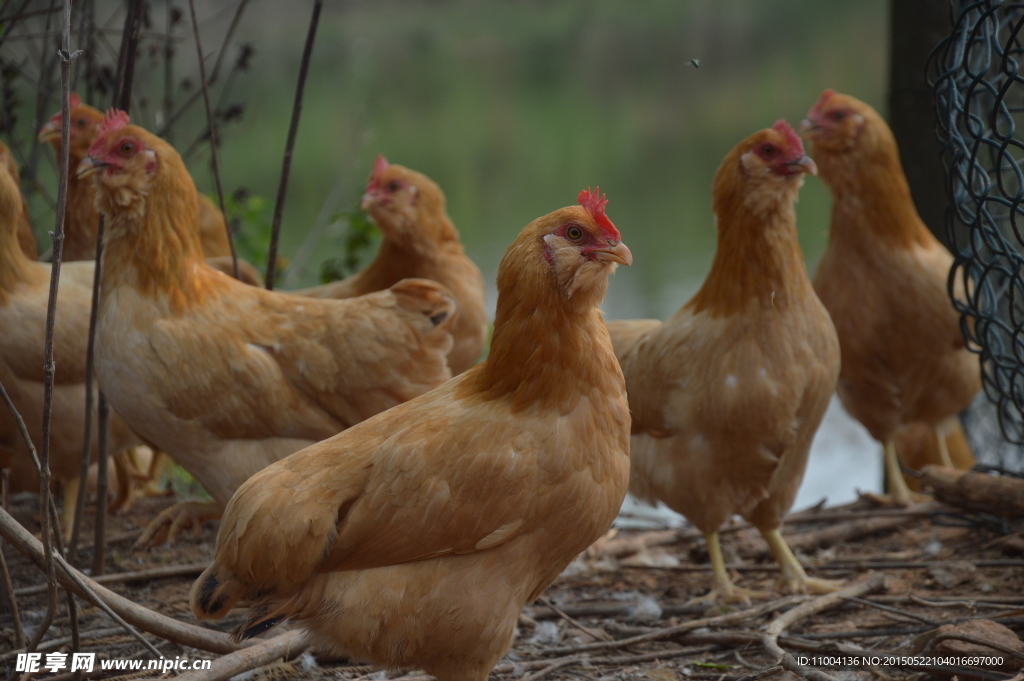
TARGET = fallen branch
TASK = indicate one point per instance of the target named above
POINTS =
(730, 618)
(808, 542)
(287, 646)
(770, 638)
(995, 494)
(975, 640)
(133, 613)
(128, 577)
(5, 574)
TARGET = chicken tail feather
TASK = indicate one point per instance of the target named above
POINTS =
(212, 597)
(263, 616)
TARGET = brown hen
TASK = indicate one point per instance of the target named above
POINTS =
(727, 394)
(228, 378)
(419, 241)
(883, 279)
(415, 538)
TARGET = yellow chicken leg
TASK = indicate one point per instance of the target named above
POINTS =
(171, 521)
(793, 576)
(125, 495)
(722, 588)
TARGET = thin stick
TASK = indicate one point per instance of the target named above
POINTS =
(975, 640)
(599, 634)
(99, 552)
(164, 131)
(12, 601)
(286, 646)
(51, 317)
(896, 611)
(770, 638)
(212, 124)
(126, 59)
(153, 622)
(167, 572)
(90, 354)
(293, 129)
(554, 666)
(669, 632)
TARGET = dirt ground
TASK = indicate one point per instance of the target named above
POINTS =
(630, 608)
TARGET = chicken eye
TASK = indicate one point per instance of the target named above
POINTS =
(394, 186)
(126, 148)
(838, 115)
(574, 233)
(767, 151)
(81, 122)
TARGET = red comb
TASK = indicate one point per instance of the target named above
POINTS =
(825, 96)
(594, 202)
(792, 139)
(113, 120)
(380, 166)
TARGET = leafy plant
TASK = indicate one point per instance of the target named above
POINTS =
(359, 238)
(250, 217)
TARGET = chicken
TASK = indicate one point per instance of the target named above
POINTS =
(917, 445)
(726, 395)
(228, 378)
(419, 241)
(883, 279)
(82, 220)
(24, 291)
(415, 538)
(26, 237)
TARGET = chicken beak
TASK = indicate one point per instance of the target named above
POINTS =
(616, 252)
(88, 166)
(49, 132)
(366, 201)
(804, 164)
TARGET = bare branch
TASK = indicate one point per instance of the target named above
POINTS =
(293, 129)
(213, 136)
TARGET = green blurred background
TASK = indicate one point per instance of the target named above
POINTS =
(512, 107)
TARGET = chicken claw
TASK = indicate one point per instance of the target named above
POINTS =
(171, 521)
(723, 591)
(793, 577)
(900, 496)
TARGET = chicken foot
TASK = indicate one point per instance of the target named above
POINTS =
(172, 521)
(722, 588)
(942, 431)
(793, 577)
(899, 494)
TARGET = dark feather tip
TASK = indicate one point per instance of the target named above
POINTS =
(206, 591)
(439, 317)
(258, 628)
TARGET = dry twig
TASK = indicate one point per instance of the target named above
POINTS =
(212, 123)
(133, 613)
(286, 646)
(770, 638)
(293, 129)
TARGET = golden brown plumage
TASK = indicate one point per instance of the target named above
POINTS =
(26, 238)
(727, 394)
(82, 218)
(24, 291)
(419, 241)
(415, 538)
(228, 378)
(883, 279)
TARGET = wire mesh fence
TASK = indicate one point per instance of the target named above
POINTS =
(979, 90)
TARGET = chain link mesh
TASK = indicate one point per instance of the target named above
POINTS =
(979, 95)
